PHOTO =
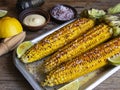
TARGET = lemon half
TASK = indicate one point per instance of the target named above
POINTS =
(23, 47)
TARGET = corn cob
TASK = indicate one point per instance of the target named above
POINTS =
(57, 39)
(92, 38)
(83, 64)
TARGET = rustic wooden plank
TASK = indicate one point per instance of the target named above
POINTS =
(112, 83)
(10, 77)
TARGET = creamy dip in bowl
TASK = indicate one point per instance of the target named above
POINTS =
(34, 19)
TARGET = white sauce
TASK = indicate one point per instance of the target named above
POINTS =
(34, 20)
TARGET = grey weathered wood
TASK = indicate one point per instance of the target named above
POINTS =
(10, 77)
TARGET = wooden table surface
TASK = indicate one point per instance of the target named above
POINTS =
(12, 79)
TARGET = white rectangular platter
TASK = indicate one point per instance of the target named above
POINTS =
(82, 83)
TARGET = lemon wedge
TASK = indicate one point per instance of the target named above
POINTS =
(115, 60)
(74, 85)
(3, 13)
(23, 47)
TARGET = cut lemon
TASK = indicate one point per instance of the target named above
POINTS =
(23, 47)
(74, 85)
(3, 13)
(115, 60)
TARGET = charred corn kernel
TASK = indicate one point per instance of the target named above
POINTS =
(83, 64)
(57, 39)
(92, 38)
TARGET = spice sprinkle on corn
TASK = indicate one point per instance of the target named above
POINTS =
(83, 43)
(56, 40)
(83, 64)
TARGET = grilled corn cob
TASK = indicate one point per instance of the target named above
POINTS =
(83, 64)
(57, 39)
(92, 38)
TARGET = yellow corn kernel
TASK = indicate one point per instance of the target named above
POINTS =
(83, 43)
(56, 40)
(83, 64)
